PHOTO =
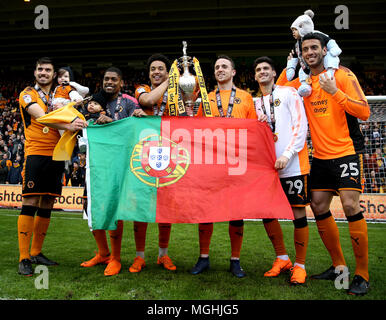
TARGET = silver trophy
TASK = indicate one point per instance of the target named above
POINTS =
(187, 81)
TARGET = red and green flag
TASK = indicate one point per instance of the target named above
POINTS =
(182, 170)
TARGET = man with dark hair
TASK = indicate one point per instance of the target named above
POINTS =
(283, 109)
(115, 70)
(332, 111)
(119, 106)
(154, 100)
(223, 56)
(158, 57)
(42, 176)
(231, 102)
(44, 60)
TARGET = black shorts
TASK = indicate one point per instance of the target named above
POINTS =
(42, 176)
(297, 190)
(333, 175)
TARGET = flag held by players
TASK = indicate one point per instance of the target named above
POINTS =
(182, 170)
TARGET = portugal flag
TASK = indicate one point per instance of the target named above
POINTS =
(182, 170)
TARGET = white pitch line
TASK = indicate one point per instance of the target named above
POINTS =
(16, 215)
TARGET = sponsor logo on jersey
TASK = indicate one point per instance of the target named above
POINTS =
(320, 108)
(27, 98)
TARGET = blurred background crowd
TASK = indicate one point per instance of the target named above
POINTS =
(12, 137)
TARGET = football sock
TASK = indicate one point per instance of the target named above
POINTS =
(205, 231)
(41, 224)
(100, 238)
(25, 226)
(275, 234)
(300, 265)
(329, 233)
(162, 252)
(140, 254)
(301, 240)
(164, 234)
(140, 229)
(39, 234)
(359, 240)
(236, 235)
(116, 240)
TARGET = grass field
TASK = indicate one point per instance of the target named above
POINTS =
(70, 242)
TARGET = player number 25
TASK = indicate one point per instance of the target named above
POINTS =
(351, 167)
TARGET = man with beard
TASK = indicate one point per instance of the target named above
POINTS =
(332, 111)
(119, 106)
(41, 176)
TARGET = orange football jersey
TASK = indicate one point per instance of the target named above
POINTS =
(149, 111)
(243, 107)
(39, 139)
(333, 119)
(63, 91)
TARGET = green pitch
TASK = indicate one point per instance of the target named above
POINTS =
(70, 242)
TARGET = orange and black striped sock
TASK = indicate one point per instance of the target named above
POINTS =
(140, 229)
(275, 234)
(116, 241)
(301, 235)
(205, 231)
(164, 234)
(25, 226)
(329, 233)
(359, 240)
(236, 234)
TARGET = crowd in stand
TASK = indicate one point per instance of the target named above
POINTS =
(11, 141)
(12, 137)
(374, 160)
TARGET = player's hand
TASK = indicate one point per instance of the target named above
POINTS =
(139, 113)
(103, 119)
(77, 124)
(57, 106)
(291, 55)
(281, 162)
(328, 84)
(262, 117)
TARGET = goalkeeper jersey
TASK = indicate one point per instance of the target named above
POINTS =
(333, 119)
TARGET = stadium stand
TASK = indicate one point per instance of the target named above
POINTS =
(12, 138)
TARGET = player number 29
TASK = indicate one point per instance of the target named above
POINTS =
(297, 184)
(351, 168)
